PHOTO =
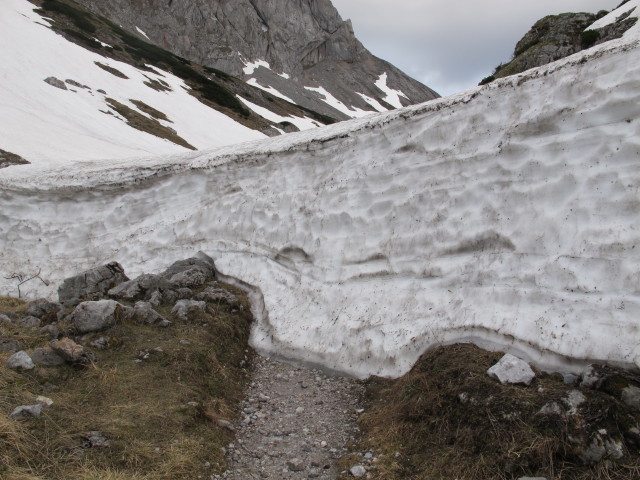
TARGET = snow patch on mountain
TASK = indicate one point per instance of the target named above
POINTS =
(254, 83)
(251, 67)
(305, 123)
(632, 7)
(78, 121)
(392, 96)
(373, 102)
(332, 101)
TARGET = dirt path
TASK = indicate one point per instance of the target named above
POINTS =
(295, 424)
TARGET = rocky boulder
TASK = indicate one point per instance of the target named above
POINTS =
(184, 274)
(92, 284)
(9, 345)
(182, 307)
(512, 370)
(20, 361)
(45, 310)
(71, 351)
(46, 357)
(96, 316)
(144, 312)
(26, 411)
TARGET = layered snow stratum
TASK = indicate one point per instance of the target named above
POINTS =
(508, 215)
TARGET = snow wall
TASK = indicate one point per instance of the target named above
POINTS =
(508, 215)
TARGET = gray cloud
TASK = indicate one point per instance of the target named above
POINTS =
(451, 45)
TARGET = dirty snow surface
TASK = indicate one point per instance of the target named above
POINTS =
(508, 215)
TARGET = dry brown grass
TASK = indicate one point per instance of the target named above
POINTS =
(148, 125)
(142, 407)
(421, 429)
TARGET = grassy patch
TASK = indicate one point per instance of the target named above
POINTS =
(80, 18)
(111, 70)
(7, 159)
(149, 125)
(447, 419)
(152, 394)
(143, 107)
(158, 85)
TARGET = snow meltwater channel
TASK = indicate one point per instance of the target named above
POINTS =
(508, 215)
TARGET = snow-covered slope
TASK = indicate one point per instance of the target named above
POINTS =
(508, 215)
(43, 123)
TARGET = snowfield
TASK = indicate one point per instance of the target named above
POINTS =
(78, 121)
(508, 215)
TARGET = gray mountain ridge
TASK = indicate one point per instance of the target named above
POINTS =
(306, 40)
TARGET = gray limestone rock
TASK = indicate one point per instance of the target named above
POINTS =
(358, 471)
(50, 330)
(189, 278)
(557, 36)
(144, 312)
(9, 345)
(137, 288)
(295, 465)
(5, 319)
(92, 284)
(216, 295)
(631, 397)
(71, 351)
(26, 411)
(512, 370)
(56, 82)
(29, 322)
(46, 357)
(182, 307)
(95, 439)
(20, 361)
(96, 316)
(45, 310)
(306, 39)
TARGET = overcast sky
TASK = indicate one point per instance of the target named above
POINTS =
(450, 45)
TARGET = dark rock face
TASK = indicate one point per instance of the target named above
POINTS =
(558, 36)
(92, 284)
(306, 39)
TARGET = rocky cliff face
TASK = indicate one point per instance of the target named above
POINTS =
(305, 43)
(558, 36)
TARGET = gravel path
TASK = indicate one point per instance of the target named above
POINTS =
(296, 423)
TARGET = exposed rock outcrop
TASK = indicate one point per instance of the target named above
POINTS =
(306, 40)
(557, 36)
(92, 284)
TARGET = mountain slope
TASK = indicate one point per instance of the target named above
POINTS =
(558, 36)
(286, 45)
(506, 215)
(78, 87)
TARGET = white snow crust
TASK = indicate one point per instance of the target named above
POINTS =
(332, 101)
(48, 125)
(142, 33)
(507, 215)
(632, 6)
(393, 96)
(254, 83)
(303, 123)
(250, 67)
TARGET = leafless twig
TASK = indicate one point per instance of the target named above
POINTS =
(21, 277)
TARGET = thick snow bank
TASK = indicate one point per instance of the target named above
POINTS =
(508, 215)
